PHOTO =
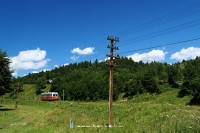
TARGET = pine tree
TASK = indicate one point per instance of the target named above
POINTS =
(5, 73)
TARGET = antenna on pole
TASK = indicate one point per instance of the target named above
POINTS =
(112, 47)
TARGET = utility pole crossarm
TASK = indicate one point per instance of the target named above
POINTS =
(116, 39)
(112, 56)
(112, 47)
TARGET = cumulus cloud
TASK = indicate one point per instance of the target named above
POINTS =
(56, 66)
(44, 70)
(75, 58)
(24, 75)
(35, 72)
(14, 74)
(66, 64)
(29, 59)
(31, 55)
(86, 51)
(154, 55)
(108, 58)
(185, 54)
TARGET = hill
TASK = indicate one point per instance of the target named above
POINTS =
(87, 81)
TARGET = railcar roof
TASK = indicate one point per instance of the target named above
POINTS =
(49, 93)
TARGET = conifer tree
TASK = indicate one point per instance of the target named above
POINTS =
(5, 73)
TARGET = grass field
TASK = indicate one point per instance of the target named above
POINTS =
(164, 113)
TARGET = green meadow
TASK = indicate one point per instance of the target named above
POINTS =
(146, 113)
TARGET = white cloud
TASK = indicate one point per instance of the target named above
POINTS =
(108, 58)
(30, 59)
(24, 75)
(35, 71)
(185, 54)
(44, 70)
(56, 66)
(75, 58)
(66, 64)
(14, 74)
(86, 51)
(32, 55)
(154, 55)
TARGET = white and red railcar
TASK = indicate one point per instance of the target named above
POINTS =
(49, 96)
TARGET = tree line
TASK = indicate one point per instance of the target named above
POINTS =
(89, 81)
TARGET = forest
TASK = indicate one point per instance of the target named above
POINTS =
(87, 81)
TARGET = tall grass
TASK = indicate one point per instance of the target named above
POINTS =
(164, 113)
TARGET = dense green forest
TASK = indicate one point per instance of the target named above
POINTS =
(88, 81)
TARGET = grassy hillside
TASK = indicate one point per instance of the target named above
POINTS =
(144, 113)
(28, 92)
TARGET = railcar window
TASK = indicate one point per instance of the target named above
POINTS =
(49, 94)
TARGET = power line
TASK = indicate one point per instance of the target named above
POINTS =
(178, 14)
(175, 15)
(170, 17)
(156, 46)
(182, 13)
(168, 44)
(163, 32)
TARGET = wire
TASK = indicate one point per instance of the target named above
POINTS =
(170, 17)
(175, 15)
(163, 32)
(178, 14)
(168, 44)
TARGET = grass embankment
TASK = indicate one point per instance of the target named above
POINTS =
(164, 113)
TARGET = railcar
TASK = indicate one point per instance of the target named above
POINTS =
(49, 96)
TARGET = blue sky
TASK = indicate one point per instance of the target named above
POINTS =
(41, 34)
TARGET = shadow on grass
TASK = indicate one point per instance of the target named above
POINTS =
(6, 109)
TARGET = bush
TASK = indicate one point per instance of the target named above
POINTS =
(195, 87)
(184, 90)
(151, 84)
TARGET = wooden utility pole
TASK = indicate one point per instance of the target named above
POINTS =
(17, 89)
(63, 95)
(111, 55)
